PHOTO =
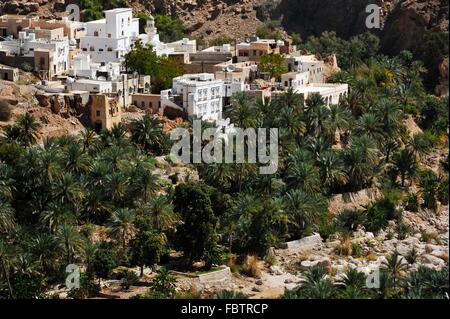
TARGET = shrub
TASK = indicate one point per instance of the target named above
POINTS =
(5, 111)
(230, 294)
(412, 256)
(379, 213)
(128, 278)
(411, 203)
(443, 192)
(349, 220)
(356, 250)
(403, 230)
(88, 288)
(345, 247)
(250, 267)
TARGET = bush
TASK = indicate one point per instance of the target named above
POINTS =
(379, 213)
(88, 288)
(403, 230)
(250, 267)
(349, 220)
(356, 250)
(5, 111)
(443, 192)
(412, 256)
(230, 294)
(411, 203)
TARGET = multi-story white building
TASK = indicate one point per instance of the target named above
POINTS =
(198, 95)
(294, 79)
(83, 67)
(109, 39)
(49, 54)
(296, 62)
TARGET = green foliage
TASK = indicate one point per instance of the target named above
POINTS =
(163, 284)
(411, 203)
(379, 213)
(349, 53)
(88, 288)
(161, 69)
(427, 283)
(221, 41)
(349, 220)
(273, 64)
(169, 29)
(197, 233)
(103, 263)
(230, 294)
(93, 9)
(269, 31)
(146, 247)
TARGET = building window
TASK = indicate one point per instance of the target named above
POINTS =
(97, 113)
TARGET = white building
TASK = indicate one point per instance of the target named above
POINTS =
(296, 62)
(198, 95)
(331, 93)
(109, 39)
(164, 49)
(27, 45)
(294, 79)
(92, 86)
(83, 67)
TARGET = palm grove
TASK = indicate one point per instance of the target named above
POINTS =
(94, 200)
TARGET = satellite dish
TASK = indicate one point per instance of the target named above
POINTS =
(230, 68)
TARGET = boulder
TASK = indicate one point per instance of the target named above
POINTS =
(428, 259)
(304, 244)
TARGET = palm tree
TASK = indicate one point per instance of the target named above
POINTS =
(304, 176)
(306, 209)
(368, 124)
(219, 175)
(419, 145)
(6, 182)
(395, 265)
(331, 168)
(288, 118)
(339, 120)
(354, 279)
(360, 160)
(315, 285)
(88, 139)
(7, 260)
(116, 185)
(28, 129)
(243, 113)
(56, 214)
(148, 134)
(7, 220)
(143, 181)
(162, 214)
(69, 240)
(75, 160)
(45, 250)
(405, 164)
(121, 224)
(67, 190)
(317, 113)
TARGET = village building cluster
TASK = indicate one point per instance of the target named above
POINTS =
(86, 59)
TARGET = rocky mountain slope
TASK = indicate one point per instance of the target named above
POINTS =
(403, 20)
